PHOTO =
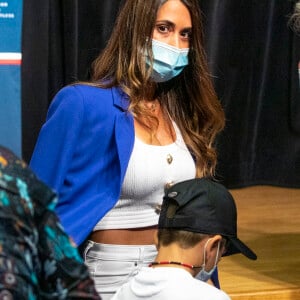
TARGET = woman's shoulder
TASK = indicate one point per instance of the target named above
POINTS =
(85, 91)
(86, 95)
(79, 100)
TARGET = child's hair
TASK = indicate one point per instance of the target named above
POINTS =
(185, 239)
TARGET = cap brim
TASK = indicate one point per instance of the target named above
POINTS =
(237, 246)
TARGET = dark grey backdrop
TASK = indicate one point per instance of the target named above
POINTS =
(253, 56)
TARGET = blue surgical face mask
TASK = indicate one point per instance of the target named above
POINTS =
(168, 61)
(204, 275)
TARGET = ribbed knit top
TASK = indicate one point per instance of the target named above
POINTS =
(150, 170)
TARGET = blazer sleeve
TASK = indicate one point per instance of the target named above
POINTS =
(58, 137)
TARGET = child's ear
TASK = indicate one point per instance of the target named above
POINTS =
(216, 240)
(213, 244)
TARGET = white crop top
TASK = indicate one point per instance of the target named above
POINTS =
(149, 170)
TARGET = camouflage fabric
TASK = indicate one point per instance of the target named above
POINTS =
(37, 258)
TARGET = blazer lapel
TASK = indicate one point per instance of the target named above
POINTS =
(124, 130)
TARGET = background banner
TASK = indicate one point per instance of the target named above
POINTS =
(10, 74)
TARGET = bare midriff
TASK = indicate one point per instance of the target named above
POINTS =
(132, 236)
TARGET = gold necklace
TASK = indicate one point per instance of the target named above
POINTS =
(151, 105)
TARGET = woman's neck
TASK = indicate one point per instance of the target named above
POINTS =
(156, 127)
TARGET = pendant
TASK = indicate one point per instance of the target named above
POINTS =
(169, 159)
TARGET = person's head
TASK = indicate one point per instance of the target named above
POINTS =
(190, 99)
(139, 21)
(201, 212)
(294, 20)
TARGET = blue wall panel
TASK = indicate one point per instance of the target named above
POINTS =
(10, 78)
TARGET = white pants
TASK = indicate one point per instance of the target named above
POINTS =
(112, 265)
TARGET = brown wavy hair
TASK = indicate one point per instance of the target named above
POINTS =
(189, 98)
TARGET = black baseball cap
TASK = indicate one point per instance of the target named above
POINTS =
(204, 206)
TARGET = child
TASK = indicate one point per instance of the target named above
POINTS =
(197, 225)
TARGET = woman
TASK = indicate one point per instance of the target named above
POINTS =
(147, 119)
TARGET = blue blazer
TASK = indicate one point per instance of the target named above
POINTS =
(82, 152)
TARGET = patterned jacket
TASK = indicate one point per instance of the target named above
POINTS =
(37, 258)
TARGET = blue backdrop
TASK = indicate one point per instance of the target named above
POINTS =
(10, 78)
